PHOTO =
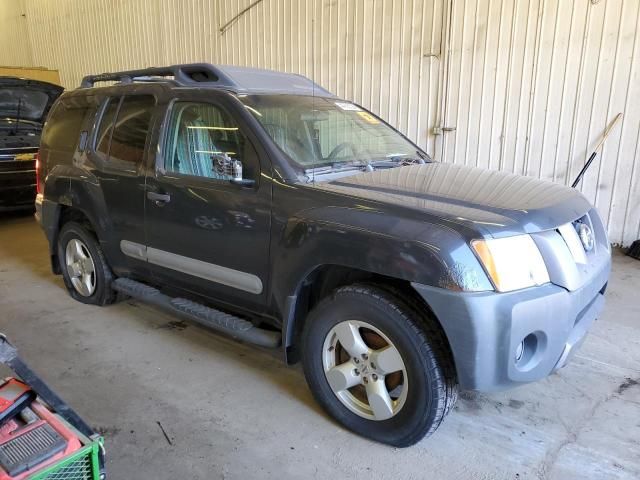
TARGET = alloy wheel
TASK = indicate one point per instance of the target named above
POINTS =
(365, 370)
(80, 267)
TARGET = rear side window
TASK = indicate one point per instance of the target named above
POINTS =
(130, 132)
(123, 141)
(63, 126)
(106, 126)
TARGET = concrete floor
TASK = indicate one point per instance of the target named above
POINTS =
(232, 411)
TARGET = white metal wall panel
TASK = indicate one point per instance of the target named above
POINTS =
(14, 37)
(529, 85)
(533, 85)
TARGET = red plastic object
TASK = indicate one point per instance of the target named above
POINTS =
(10, 391)
(14, 428)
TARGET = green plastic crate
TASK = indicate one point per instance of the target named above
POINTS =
(80, 465)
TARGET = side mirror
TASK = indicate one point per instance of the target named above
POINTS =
(226, 166)
(236, 167)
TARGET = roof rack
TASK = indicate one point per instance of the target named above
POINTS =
(238, 79)
(187, 74)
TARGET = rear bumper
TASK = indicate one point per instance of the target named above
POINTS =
(17, 185)
(486, 329)
(17, 197)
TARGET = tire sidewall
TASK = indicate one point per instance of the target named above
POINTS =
(103, 276)
(420, 410)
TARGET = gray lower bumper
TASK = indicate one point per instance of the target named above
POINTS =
(485, 329)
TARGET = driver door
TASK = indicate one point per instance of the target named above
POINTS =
(207, 231)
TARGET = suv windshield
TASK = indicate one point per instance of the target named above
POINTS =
(325, 135)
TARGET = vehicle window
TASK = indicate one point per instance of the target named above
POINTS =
(329, 133)
(106, 126)
(130, 131)
(204, 141)
(23, 103)
(63, 127)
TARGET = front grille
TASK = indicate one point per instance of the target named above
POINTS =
(80, 469)
(10, 153)
(570, 264)
(570, 236)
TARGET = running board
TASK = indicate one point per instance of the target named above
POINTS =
(233, 326)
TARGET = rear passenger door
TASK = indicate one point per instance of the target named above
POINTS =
(205, 233)
(122, 135)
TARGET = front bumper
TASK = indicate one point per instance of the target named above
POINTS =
(485, 329)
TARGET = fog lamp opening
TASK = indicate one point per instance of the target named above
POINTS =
(528, 352)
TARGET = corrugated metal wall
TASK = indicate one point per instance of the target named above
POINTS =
(528, 85)
(15, 50)
(532, 86)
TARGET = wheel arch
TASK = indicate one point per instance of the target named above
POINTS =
(324, 279)
(66, 214)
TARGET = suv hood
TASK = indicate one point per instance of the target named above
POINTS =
(488, 201)
(26, 99)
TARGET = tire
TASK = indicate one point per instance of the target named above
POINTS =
(76, 235)
(417, 358)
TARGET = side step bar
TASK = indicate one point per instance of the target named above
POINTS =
(233, 326)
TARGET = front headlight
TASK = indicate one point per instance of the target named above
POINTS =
(512, 263)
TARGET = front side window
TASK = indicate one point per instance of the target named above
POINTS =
(204, 141)
(319, 133)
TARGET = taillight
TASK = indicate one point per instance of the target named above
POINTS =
(39, 179)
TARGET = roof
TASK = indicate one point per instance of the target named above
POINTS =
(241, 80)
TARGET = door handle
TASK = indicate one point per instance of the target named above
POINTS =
(159, 198)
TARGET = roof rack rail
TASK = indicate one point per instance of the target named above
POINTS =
(185, 74)
(242, 80)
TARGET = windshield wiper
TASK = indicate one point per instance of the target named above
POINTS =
(395, 161)
(364, 164)
(334, 168)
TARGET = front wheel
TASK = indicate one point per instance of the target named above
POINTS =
(378, 365)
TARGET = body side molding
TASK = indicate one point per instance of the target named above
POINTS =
(191, 266)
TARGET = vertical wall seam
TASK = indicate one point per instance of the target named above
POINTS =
(562, 95)
(533, 87)
(470, 92)
(505, 109)
(576, 107)
(630, 198)
(608, 109)
(546, 108)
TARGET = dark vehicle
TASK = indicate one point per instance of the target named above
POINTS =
(261, 205)
(24, 105)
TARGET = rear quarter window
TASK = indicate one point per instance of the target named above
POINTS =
(64, 124)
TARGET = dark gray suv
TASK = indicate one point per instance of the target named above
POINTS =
(263, 206)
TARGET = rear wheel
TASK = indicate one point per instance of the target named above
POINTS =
(86, 273)
(378, 366)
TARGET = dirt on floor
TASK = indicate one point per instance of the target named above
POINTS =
(177, 401)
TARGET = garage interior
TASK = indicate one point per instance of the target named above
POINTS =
(525, 87)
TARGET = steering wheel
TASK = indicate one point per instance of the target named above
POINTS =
(340, 147)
